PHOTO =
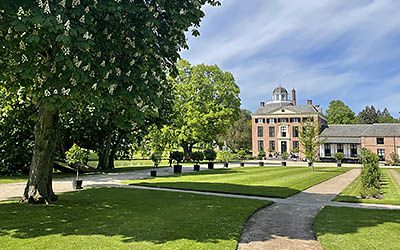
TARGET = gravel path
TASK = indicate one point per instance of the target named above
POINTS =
(287, 224)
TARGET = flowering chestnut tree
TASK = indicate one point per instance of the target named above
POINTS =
(63, 51)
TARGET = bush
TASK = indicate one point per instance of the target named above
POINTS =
(177, 156)
(156, 158)
(393, 159)
(285, 156)
(339, 156)
(261, 155)
(210, 154)
(77, 156)
(225, 156)
(197, 157)
(242, 155)
(370, 175)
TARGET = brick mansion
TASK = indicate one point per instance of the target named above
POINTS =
(276, 125)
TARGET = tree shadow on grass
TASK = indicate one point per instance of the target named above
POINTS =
(134, 215)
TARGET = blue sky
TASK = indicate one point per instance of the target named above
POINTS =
(326, 49)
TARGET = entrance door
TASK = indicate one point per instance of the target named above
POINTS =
(283, 146)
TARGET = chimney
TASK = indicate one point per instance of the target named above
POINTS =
(262, 104)
(309, 102)
(294, 98)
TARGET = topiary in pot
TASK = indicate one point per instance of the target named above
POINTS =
(225, 157)
(77, 157)
(339, 158)
(197, 157)
(210, 155)
(156, 159)
(242, 156)
(285, 156)
(178, 158)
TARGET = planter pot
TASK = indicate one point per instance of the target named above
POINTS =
(242, 164)
(284, 164)
(211, 165)
(196, 167)
(77, 184)
(339, 163)
(226, 165)
(261, 164)
(153, 173)
(177, 169)
(310, 164)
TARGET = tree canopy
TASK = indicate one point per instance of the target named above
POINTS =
(340, 113)
(238, 136)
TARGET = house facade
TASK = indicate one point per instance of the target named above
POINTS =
(382, 139)
(276, 123)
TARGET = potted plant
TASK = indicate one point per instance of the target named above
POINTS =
(197, 157)
(178, 158)
(156, 159)
(285, 156)
(210, 155)
(261, 156)
(225, 157)
(77, 157)
(339, 158)
(242, 156)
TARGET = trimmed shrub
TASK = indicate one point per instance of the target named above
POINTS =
(261, 155)
(225, 156)
(285, 156)
(77, 156)
(210, 154)
(177, 156)
(242, 155)
(197, 157)
(370, 175)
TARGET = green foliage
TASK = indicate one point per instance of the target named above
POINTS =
(339, 156)
(261, 155)
(368, 115)
(393, 159)
(238, 136)
(225, 156)
(386, 117)
(206, 103)
(197, 156)
(210, 154)
(285, 156)
(370, 174)
(176, 156)
(340, 113)
(156, 158)
(242, 154)
(309, 140)
(17, 116)
(77, 156)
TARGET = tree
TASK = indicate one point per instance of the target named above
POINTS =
(310, 141)
(340, 113)
(386, 117)
(368, 115)
(61, 51)
(206, 104)
(370, 174)
(238, 136)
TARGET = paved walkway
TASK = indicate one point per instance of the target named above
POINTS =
(288, 225)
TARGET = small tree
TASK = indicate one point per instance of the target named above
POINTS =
(310, 142)
(261, 155)
(285, 156)
(76, 157)
(393, 159)
(339, 158)
(370, 175)
(241, 154)
(177, 157)
(197, 156)
(156, 158)
(210, 155)
(225, 156)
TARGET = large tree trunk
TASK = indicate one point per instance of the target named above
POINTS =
(106, 156)
(187, 150)
(39, 188)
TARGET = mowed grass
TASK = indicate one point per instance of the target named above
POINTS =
(12, 179)
(117, 218)
(390, 191)
(351, 228)
(260, 181)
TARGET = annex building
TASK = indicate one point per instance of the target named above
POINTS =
(276, 124)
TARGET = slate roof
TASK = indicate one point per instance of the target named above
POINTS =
(361, 130)
(271, 107)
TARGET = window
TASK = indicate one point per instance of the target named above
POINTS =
(271, 131)
(295, 120)
(271, 146)
(328, 149)
(283, 131)
(260, 146)
(260, 131)
(380, 141)
(295, 132)
(353, 150)
(260, 120)
(282, 120)
(271, 120)
(381, 154)
(295, 145)
(340, 148)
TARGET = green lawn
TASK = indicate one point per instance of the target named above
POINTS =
(390, 191)
(117, 218)
(12, 179)
(262, 181)
(351, 228)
